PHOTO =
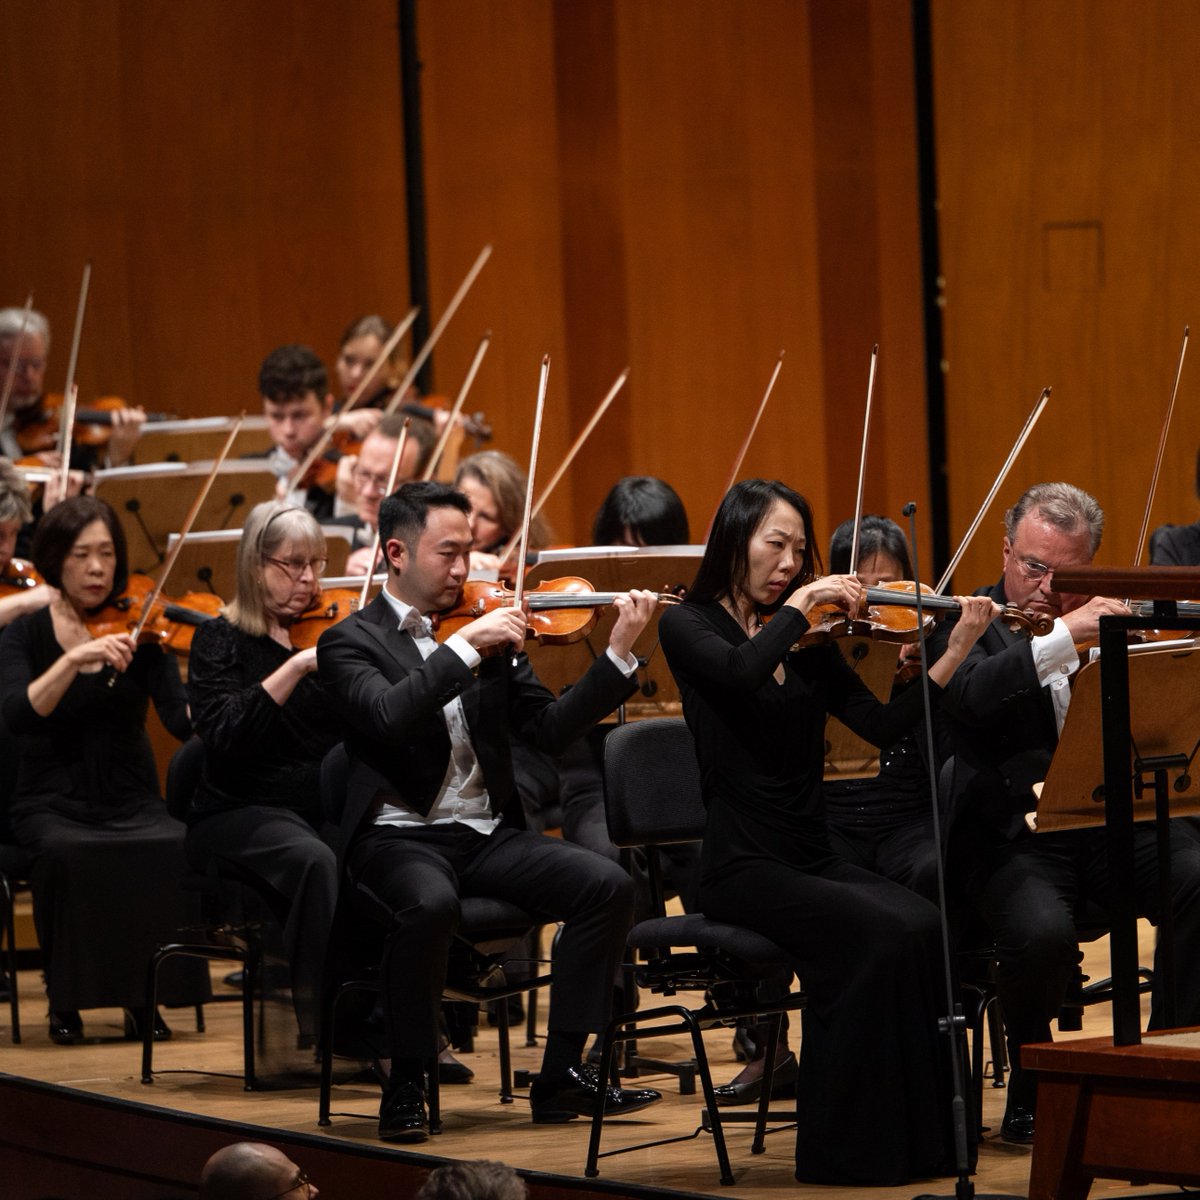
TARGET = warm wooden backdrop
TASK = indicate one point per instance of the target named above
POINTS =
(683, 186)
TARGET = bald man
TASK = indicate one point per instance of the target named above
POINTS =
(254, 1171)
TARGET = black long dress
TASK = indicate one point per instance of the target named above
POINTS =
(873, 1101)
(106, 857)
(258, 803)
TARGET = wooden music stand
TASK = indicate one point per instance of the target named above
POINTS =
(847, 756)
(194, 440)
(616, 569)
(208, 560)
(152, 501)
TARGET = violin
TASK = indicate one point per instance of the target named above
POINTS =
(321, 473)
(19, 576)
(171, 622)
(328, 607)
(561, 611)
(36, 429)
(889, 615)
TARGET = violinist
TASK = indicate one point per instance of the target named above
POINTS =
(15, 515)
(371, 469)
(867, 949)
(25, 405)
(1004, 709)
(1177, 545)
(495, 486)
(359, 350)
(265, 722)
(86, 808)
(432, 814)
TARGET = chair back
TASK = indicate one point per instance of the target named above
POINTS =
(652, 784)
(183, 777)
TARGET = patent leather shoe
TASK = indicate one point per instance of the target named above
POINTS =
(1017, 1125)
(575, 1096)
(66, 1028)
(747, 1091)
(134, 1025)
(402, 1115)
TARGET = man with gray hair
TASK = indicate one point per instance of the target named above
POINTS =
(254, 1171)
(1003, 712)
(28, 364)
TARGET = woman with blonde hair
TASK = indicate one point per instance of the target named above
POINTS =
(495, 486)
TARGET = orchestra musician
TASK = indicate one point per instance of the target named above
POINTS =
(495, 486)
(359, 351)
(432, 814)
(25, 402)
(86, 808)
(867, 950)
(1177, 545)
(266, 724)
(1004, 709)
(16, 513)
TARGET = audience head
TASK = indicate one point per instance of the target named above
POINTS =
(15, 510)
(641, 510)
(296, 400)
(254, 1171)
(882, 550)
(359, 351)
(495, 487)
(79, 548)
(374, 464)
(1052, 525)
(30, 377)
(281, 558)
(729, 567)
(473, 1180)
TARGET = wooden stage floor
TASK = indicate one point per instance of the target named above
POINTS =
(476, 1124)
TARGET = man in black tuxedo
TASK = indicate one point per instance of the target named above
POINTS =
(432, 813)
(1003, 710)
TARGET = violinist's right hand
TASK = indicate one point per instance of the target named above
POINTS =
(114, 650)
(1084, 621)
(500, 627)
(842, 591)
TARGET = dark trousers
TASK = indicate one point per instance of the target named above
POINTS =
(904, 852)
(1028, 891)
(873, 1100)
(411, 881)
(297, 873)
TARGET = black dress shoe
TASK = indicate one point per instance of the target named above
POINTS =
(66, 1028)
(1017, 1125)
(783, 1083)
(450, 1070)
(575, 1096)
(134, 1024)
(402, 1116)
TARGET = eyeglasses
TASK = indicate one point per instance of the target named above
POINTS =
(365, 479)
(295, 567)
(302, 1180)
(1032, 569)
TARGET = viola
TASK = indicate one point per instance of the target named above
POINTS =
(561, 611)
(37, 428)
(889, 615)
(19, 576)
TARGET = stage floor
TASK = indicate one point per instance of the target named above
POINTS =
(476, 1124)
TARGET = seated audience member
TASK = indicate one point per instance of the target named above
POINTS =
(26, 406)
(266, 724)
(432, 814)
(496, 486)
(475, 1179)
(254, 1171)
(1004, 709)
(86, 808)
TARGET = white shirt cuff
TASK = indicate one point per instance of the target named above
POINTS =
(1055, 656)
(470, 656)
(626, 665)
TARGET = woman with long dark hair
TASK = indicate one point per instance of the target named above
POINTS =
(873, 1091)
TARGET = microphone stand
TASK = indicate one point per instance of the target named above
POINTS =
(954, 1025)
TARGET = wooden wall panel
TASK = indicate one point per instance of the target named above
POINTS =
(1067, 176)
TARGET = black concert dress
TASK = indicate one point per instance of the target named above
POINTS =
(258, 805)
(106, 857)
(873, 1101)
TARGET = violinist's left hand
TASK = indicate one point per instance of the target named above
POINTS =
(634, 610)
(977, 614)
(126, 429)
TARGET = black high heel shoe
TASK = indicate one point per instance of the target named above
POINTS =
(134, 1019)
(783, 1084)
(66, 1028)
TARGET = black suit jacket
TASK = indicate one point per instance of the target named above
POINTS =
(1000, 728)
(391, 701)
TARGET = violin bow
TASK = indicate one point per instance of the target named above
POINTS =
(1022, 438)
(427, 349)
(186, 528)
(456, 407)
(354, 399)
(10, 377)
(70, 393)
(400, 442)
(862, 463)
(519, 578)
(741, 454)
(1162, 445)
(601, 409)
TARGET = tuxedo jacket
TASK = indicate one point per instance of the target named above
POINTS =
(391, 701)
(998, 723)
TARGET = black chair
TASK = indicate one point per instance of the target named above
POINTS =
(14, 877)
(652, 795)
(226, 933)
(488, 929)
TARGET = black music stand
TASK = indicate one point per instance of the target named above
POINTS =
(616, 569)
